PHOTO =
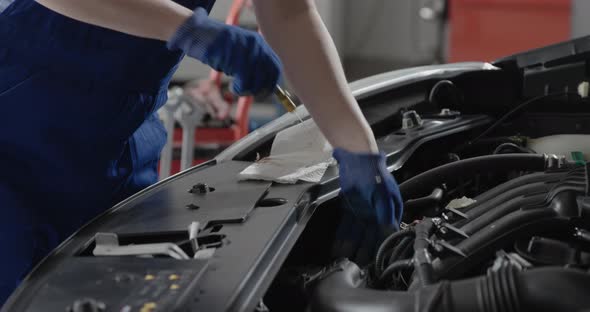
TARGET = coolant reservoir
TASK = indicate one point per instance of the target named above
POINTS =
(569, 145)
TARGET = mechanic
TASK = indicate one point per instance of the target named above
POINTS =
(80, 81)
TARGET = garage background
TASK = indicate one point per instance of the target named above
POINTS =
(374, 36)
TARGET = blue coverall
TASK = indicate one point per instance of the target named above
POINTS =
(78, 132)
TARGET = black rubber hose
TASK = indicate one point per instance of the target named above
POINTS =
(514, 147)
(423, 183)
(422, 258)
(398, 250)
(540, 290)
(341, 290)
(416, 206)
(393, 268)
(408, 252)
(386, 245)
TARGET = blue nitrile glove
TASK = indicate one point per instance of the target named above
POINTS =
(237, 52)
(373, 200)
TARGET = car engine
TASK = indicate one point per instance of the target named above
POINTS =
(497, 224)
(519, 246)
(523, 244)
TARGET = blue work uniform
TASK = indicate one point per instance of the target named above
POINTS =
(78, 129)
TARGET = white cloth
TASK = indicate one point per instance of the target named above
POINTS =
(298, 153)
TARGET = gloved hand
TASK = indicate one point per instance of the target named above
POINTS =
(373, 202)
(235, 51)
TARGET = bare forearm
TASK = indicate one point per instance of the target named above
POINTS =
(154, 19)
(295, 31)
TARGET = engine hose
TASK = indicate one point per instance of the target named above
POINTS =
(423, 183)
(398, 250)
(408, 251)
(386, 245)
(540, 290)
(422, 257)
(418, 205)
(405, 245)
(507, 290)
(515, 147)
(393, 268)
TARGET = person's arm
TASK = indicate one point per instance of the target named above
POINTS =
(153, 19)
(371, 195)
(296, 32)
(237, 52)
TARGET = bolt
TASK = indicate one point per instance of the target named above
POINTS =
(411, 119)
(201, 188)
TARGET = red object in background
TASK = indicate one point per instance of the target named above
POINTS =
(485, 30)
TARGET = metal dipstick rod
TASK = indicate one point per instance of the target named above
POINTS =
(286, 100)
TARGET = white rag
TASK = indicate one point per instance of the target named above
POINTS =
(298, 153)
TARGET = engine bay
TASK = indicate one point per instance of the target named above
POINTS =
(495, 226)
(495, 217)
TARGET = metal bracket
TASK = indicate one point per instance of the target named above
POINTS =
(411, 120)
(107, 244)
